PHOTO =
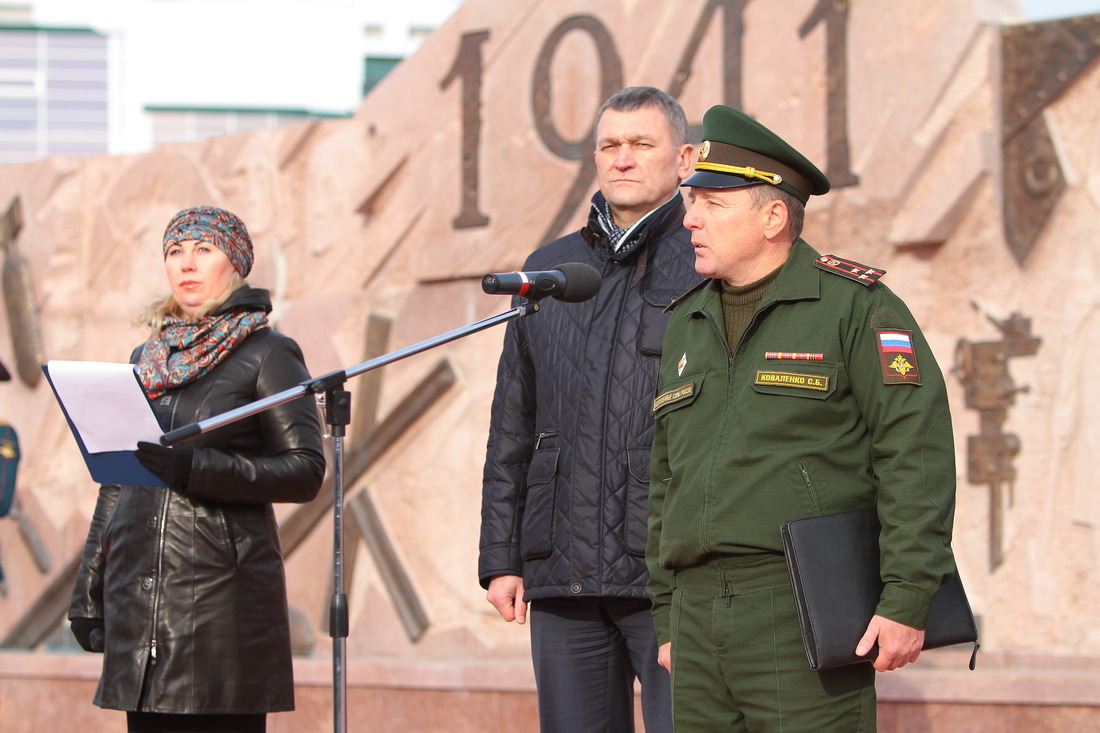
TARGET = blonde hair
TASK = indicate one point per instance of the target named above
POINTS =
(156, 312)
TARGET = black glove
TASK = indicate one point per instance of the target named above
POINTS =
(171, 464)
(88, 633)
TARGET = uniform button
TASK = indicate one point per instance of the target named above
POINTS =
(147, 584)
(151, 522)
(576, 587)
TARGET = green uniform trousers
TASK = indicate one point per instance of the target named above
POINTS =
(738, 663)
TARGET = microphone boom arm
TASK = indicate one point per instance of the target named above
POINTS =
(332, 380)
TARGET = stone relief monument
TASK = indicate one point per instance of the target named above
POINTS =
(963, 151)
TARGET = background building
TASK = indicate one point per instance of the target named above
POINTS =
(123, 76)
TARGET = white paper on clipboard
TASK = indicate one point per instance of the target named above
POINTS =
(106, 404)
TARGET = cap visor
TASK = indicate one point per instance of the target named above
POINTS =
(712, 179)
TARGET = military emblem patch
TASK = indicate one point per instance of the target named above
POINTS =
(899, 360)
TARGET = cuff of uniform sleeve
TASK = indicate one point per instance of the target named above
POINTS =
(661, 621)
(904, 606)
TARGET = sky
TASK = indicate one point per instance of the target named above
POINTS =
(296, 54)
(1048, 9)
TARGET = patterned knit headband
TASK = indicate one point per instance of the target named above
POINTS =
(219, 227)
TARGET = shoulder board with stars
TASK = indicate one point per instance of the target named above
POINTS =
(861, 274)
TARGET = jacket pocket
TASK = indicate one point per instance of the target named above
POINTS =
(673, 396)
(636, 521)
(809, 380)
(230, 537)
(654, 320)
(537, 538)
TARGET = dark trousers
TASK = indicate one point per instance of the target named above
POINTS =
(587, 653)
(171, 723)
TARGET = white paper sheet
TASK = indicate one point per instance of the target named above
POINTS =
(106, 403)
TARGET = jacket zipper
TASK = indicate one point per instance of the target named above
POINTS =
(157, 577)
(809, 485)
(720, 333)
(161, 541)
(551, 433)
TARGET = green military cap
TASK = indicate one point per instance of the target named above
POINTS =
(739, 151)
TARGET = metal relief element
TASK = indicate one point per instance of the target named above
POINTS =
(982, 368)
(542, 95)
(833, 14)
(24, 319)
(371, 438)
(368, 524)
(47, 611)
(1033, 183)
(468, 68)
(1039, 61)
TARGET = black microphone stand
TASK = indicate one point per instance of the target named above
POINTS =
(329, 390)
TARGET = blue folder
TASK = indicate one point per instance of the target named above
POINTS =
(109, 467)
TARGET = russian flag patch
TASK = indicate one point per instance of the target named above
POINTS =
(899, 361)
(895, 341)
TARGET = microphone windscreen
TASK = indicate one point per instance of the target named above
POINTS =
(581, 282)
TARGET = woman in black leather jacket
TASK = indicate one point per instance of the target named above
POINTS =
(182, 585)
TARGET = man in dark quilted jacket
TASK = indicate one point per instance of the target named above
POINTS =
(564, 506)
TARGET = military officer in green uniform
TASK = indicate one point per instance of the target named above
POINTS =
(792, 384)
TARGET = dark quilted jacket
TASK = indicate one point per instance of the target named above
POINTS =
(567, 469)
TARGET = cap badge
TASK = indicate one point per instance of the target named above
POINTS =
(704, 150)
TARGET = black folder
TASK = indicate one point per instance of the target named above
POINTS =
(833, 560)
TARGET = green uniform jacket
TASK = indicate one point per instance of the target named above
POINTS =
(746, 441)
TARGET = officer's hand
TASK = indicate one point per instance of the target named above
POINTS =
(88, 633)
(506, 595)
(664, 655)
(898, 644)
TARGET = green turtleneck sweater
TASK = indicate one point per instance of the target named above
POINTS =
(739, 303)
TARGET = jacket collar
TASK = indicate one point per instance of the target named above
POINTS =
(798, 280)
(653, 225)
(246, 297)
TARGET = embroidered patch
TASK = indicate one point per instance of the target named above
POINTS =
(899, 360)
(674, 395)
(681, 364)
(850, 269)
(816, 382)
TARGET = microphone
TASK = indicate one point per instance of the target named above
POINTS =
(571, 282)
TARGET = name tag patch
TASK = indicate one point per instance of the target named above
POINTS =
(674, 395)
(816, 382)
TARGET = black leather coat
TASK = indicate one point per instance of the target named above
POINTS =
(190, 584)
(566, 474)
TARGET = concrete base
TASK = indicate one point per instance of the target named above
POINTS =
(1008, 693)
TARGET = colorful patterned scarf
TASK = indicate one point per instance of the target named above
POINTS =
(187, 350)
